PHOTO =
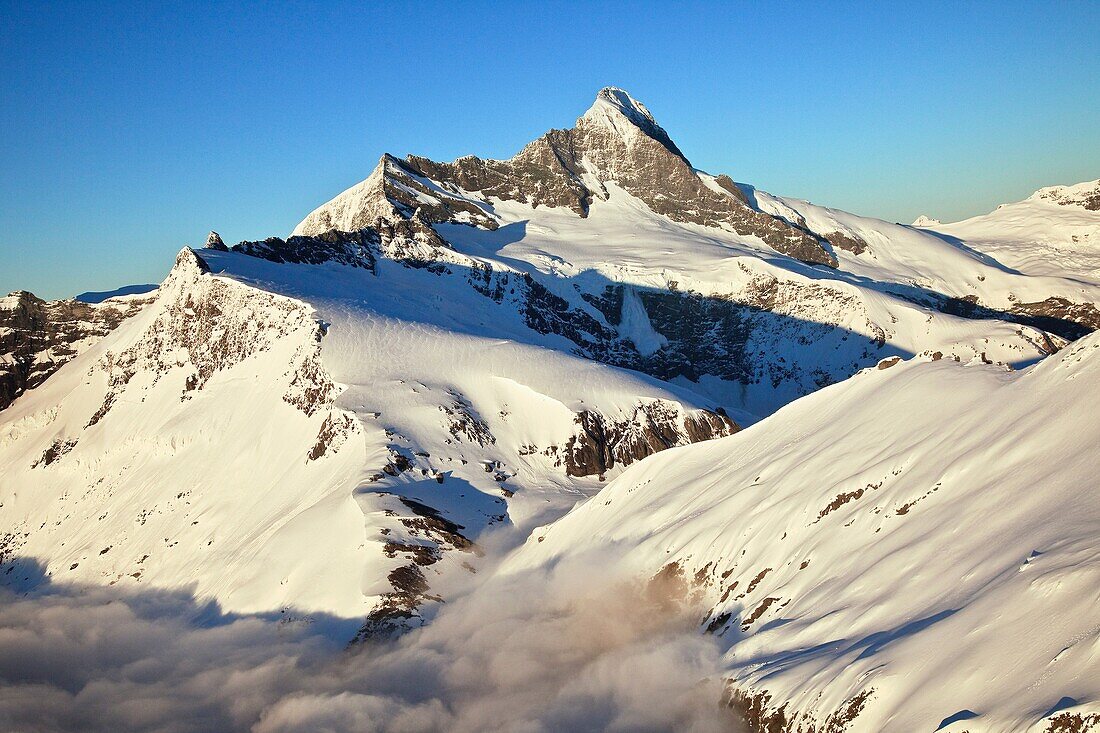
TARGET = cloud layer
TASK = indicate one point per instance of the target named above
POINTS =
(565, 650)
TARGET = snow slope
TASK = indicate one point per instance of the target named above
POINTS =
(916, 546)
(954, 262)
(174, 452)
(1055, 231)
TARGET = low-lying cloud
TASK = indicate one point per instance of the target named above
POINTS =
(560, 651)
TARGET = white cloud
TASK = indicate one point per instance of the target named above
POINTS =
(562, 651)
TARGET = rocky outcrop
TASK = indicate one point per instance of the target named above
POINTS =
(602, 443)
(758, 713)
(847, 242)
(538, 175)
(355, 249)
(394, 191)
(1085, 195)
(37, 336)
(409, 240)
(397, 610)
(1059, 316)
(724, 336)
(1055, 315)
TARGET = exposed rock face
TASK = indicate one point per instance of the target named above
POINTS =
(345, 248)
(398, 609)
(1059, 316)
(392, 193)
(410, 241)
(537, 175)
(1055, 315)
(723, 336)
(37, 337)
(847, 242)
(757, 713)
(617, 140)
(600, 443)
(204, 320)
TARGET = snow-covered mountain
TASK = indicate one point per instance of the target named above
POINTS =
(912, 549)
(612, 210)
(356, 419)
(925, 221)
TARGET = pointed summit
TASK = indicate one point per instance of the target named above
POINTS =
(616, 110)
(620, 100)
(214, 241)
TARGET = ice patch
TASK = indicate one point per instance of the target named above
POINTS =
(635, 325)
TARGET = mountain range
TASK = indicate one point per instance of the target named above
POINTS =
(877, 441)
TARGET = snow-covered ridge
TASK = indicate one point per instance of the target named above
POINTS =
(182, 449)
(209, 440)
(356, 208)
(880, 551)
(37, 336)
(1055, 231)
(1085, 195)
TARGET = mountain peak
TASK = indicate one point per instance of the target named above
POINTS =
(617, 111)
(616, 140)
(621, 101)
(214, 241)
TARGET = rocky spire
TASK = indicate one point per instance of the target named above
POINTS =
(214, 241)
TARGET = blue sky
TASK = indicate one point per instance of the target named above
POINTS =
(129, 130)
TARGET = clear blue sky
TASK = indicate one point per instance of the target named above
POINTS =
(128, 130)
